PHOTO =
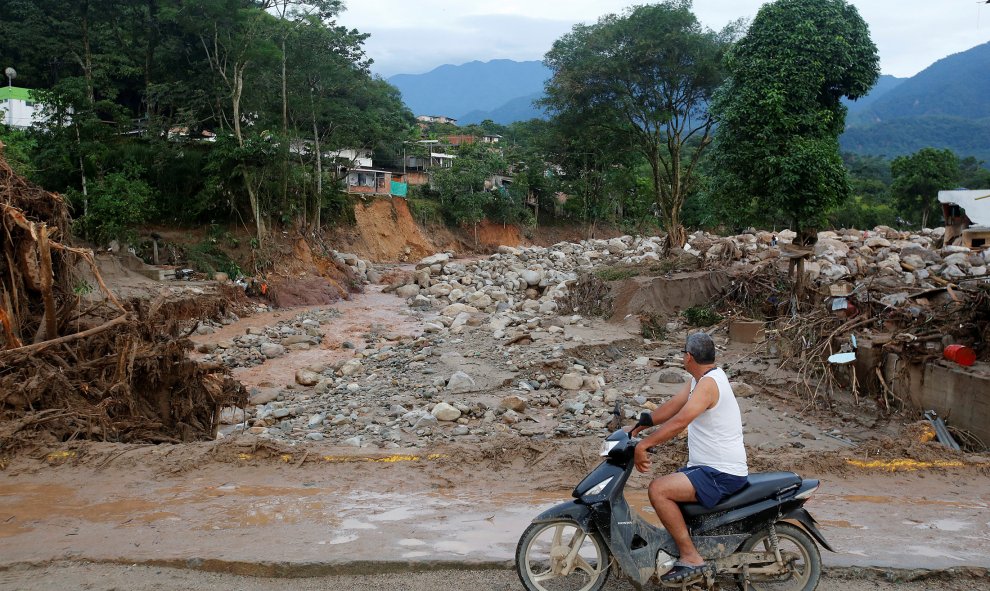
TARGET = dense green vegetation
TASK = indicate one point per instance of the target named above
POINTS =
(136, 92)
(781, 112)
(232, 112)
(648, 93)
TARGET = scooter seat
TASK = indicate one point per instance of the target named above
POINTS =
(761, 486)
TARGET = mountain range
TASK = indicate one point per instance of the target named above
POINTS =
(947, 105)
(500, 90)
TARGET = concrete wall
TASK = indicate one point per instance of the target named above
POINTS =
(960, 395)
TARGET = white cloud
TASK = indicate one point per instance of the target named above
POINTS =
(415, 37)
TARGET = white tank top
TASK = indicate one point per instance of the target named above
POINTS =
(715, 437)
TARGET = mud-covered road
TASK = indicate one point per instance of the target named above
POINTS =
(249, 507)
(107, 577)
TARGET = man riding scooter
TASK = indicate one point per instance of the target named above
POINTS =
(716, 465)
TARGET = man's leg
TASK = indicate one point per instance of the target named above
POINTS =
(665, 493)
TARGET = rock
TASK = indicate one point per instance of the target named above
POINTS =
(571, 381)
(877, 242)
(531, 276)
(454, 309)
(952, 272)
(316, 420)
(593, 383)
(408, 291)
(351, 367)
(672, 376)
(307, 378)
(742, 389)
(515, 403)
(297, 339)
(352, 442)
(574, 407)
(460, 382)
(445, 412)
(830, 246)
(436, 259)
(262, 396)
(231, 415)
(316, 437)
(272, 350)
(959, 259)
(511, 417)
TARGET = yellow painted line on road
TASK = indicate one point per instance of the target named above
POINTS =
(385, 460)
(904, 465)
(287, 458)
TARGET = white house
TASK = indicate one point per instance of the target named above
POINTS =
(18, 108)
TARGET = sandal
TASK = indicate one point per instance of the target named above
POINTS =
(683, 572)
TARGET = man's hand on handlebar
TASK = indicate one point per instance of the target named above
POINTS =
(645, 422)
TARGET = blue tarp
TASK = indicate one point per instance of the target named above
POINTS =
(399, 189)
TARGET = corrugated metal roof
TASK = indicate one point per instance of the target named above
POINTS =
(975, 203)
(15, 92)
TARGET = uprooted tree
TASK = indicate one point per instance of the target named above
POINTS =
(95, 367)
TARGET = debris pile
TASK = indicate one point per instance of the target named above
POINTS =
(70, 368)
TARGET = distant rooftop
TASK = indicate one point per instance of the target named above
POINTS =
(15, 92)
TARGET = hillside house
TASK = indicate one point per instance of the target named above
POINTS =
(367, 181)
(436, 119)
(353, 157)
(967, 217)
(18, 107)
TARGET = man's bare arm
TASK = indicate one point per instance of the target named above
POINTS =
(668, 409)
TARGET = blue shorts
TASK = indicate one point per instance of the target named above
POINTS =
(712, 486)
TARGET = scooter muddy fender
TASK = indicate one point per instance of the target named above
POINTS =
(808, 522)
(578, 512)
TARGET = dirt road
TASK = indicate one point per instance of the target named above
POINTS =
(141, 578)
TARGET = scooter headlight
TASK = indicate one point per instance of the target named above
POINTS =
(607, 446)
(598, 488)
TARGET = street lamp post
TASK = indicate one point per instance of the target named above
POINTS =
(11, 73)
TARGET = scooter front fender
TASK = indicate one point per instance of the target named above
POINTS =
(580, 514)
(808, 522)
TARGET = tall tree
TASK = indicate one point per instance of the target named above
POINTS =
(644, 78)
(919, 177)
(780, 113)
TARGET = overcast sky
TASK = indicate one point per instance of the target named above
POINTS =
(412, 37)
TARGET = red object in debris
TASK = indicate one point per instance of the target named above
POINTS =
(961, 354)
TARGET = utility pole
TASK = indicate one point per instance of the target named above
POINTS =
(11, 74)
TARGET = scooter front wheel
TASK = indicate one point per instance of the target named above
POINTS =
(559, 556)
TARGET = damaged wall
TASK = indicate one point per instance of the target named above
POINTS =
(668, 296)
(961, 395)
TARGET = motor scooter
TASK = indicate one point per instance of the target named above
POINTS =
(760, 538)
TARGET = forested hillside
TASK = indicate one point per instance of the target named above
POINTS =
(945, 106)
(199, 111)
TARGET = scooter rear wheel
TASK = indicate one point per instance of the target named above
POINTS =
(560, 556)
(798, 550)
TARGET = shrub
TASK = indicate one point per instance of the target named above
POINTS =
(701, 316)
